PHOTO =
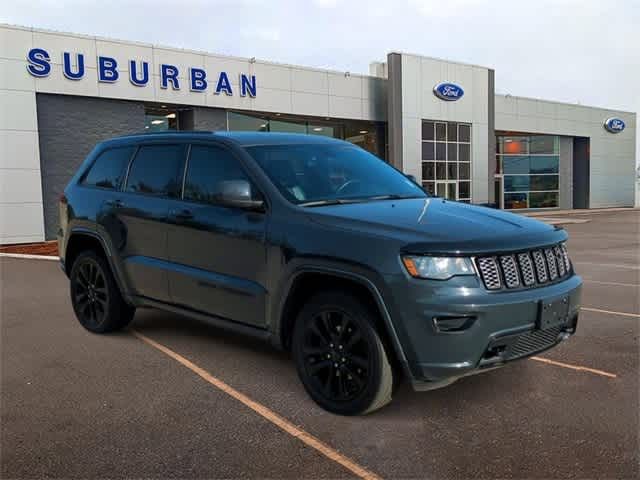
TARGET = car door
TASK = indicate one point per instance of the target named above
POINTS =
(217, 251)
(141, 210)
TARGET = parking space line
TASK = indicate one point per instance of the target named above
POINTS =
(575, 367)
(265, 412)
(610, 312)
(617, 284)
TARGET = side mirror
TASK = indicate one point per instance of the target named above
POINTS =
(237, 193)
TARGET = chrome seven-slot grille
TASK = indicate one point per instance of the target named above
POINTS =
(524, 269)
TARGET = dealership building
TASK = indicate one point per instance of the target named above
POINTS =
(437, 120)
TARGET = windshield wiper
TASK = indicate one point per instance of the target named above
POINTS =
(343, 201)
(393, 196)
(331, 201)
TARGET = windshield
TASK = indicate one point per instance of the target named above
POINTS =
(310, 175)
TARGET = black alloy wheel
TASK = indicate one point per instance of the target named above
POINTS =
(90, 294)
(339, 355)
(95, 296)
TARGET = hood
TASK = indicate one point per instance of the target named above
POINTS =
(435, 225)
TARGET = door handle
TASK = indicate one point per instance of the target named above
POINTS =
(182, 214)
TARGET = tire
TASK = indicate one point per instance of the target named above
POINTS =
(339, 355)
(95, 296)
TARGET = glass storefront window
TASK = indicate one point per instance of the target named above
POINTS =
(428, 151)
(428, 131)
(516, 164)
(541, 144)
(516, 183)
(246, 123)
(323, 130)
(464, 152)
(464, 133)
(452, 152)
(368, 135)
(530, 167)
(159, 120)
(516, 200)
(543, 182)
(452, 171)
(544, 164)
(513, 145)
(452, 132)
(288, 127)
(543, 199)
(464, 171)
(446, 156)
(428, 170)
(464, 190)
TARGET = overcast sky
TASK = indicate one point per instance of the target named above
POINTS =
(583, 51)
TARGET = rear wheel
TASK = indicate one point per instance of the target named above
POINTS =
(339, 355)
(95, 297)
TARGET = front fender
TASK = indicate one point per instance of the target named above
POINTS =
(365, 277)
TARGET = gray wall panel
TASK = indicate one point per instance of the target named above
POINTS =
(394, 109)
(69, 128)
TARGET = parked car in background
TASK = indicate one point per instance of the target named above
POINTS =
(320, 248)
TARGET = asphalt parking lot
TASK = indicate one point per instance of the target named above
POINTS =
(74, 404)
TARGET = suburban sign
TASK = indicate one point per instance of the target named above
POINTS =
(109, 71)
(614, 125)
(448, 91)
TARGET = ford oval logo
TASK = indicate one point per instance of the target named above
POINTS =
(614, 125)
(448, 91)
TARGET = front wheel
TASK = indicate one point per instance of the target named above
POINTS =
(95, 296)
(339, 355)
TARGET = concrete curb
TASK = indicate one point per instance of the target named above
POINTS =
(25, 256)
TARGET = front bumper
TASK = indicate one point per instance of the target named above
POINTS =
(454, 330)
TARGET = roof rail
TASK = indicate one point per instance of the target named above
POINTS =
(177, 132)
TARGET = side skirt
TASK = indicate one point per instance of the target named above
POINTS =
(218, 322)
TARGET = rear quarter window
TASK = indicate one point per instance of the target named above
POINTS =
(109, 168)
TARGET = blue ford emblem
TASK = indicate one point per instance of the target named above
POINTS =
(448, 91)
(614, 125)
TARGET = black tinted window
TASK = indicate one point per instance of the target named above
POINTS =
(209, 168)
(156, 170)
(109, 168)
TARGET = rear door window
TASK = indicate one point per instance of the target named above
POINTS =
(156, 170)
(109, 168)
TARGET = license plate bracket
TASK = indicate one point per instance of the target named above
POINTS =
(553, 312)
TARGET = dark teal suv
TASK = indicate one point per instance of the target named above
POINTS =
(320, 248)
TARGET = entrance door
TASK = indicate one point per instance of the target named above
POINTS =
(447, 189)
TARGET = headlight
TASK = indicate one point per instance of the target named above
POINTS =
(437, 268)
